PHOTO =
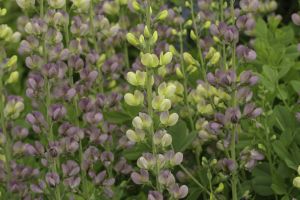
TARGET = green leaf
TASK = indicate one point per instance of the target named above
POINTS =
(135, 152)
(296, 85)
(182, 138)
(117, 117)
(262, 180)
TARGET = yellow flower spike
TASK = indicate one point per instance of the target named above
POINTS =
(150, 60)
(13, 77)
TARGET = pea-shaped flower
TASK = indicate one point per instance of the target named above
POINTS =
(168, 119)
(135, 136)
(162, 138)
(137, 79)
(147, 161)
(166, 58)
(167, 90)
(143, 121)
(14, 107)
(135, 99)
(161, 104)
(149, 60)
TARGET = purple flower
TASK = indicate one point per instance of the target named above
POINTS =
(52, 179)
(57, 111)
(140, 178)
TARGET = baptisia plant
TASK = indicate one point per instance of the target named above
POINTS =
(11, 106)
(149, 127)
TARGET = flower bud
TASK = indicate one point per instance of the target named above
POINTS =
(161, 104)
(135, 99)
(188, 58)
(132, 39)
(154, 38)
(149, 60)
(135, 136)
(166, 58)
(167, 119)
(147, 33)
(13, 77)
(57, 3)
(216, 58)
(193, 35)
(11, 62)
(220, 188)
(143, 121)
(136, 6)
(162, 15)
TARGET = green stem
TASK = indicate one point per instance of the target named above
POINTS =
(235, 126)
(149, 93)
(194, 179)
(7, 145)
(182, 65)
(202, 67)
